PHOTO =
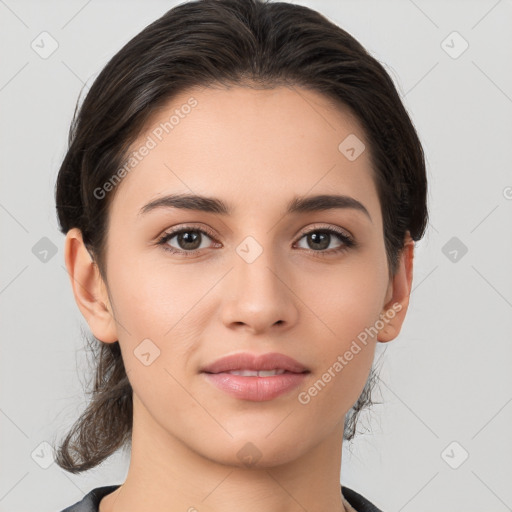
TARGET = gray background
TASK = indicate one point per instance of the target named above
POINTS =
(447, 377)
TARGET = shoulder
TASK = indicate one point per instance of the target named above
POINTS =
(358, 502)
(91, 501)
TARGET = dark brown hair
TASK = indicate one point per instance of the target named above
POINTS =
(249, 43)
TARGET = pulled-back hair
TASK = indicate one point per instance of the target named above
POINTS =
(250, 43)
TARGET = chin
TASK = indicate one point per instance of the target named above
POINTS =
(256, 450)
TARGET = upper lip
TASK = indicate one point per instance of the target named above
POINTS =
(247, 361)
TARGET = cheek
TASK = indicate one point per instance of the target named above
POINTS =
(151, 296)
(347, 305)
(348, 299)
(345, 346)
(160, 313)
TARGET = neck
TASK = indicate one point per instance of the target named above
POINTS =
(166, 475)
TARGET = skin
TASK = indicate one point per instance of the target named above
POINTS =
(255, 149)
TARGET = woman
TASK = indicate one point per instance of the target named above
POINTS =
(241, 196)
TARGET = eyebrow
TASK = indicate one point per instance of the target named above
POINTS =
(299, 204)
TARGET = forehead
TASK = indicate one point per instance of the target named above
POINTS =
(260, 146)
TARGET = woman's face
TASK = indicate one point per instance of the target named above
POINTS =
(256, 282)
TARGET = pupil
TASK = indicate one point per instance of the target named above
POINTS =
(188, 239)
(320, 235)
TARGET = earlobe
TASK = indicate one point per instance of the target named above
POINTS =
(89, 289)
(398, 294)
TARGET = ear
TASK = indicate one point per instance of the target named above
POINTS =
(88, 288)
(398, 293)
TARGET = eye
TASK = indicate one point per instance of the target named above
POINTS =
(189, 240)
(321, 238)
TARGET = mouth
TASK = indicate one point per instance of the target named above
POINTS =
(256, 377)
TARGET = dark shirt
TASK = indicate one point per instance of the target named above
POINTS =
(90, 502)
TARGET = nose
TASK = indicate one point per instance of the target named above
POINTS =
(258, 294)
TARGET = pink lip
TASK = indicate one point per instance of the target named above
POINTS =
(255, 388)
(247, 361)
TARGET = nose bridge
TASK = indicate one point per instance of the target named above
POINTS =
(258, 295)
(256, 263)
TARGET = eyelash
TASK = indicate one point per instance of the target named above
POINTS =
(348, 241)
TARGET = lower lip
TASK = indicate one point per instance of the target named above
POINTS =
(257, 389)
